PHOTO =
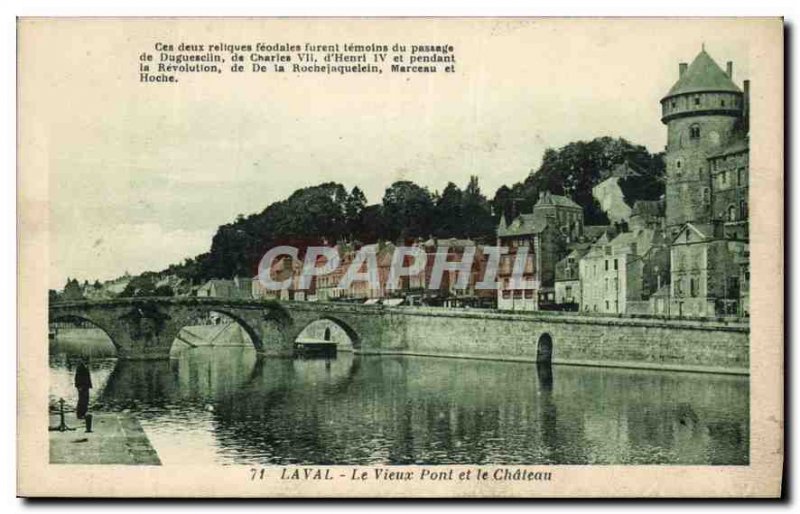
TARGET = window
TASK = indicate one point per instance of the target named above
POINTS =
(607, 305)
(722, 103)
(694, 285)
(706, 196)
(674, 104)
(731, 213)
(742, 176)
(694, 131)
(568, 292)
(615, 265)
(743, 210)
(606, 264)
(697, 100)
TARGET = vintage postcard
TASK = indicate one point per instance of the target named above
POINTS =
(409, 257)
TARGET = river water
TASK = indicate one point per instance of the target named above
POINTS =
(231, 406)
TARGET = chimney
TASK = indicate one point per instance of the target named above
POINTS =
(746, 107)
(682, 69)
(730, 69)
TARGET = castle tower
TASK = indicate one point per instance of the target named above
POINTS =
(702, 111)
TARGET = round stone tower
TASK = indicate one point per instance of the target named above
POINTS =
(702, 112)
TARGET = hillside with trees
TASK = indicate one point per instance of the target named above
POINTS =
(327, 213)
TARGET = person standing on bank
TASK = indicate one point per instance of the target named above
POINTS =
(83, 382)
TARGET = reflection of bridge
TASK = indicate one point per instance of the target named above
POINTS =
(144, 328)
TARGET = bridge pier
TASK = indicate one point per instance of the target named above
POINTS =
(137, 342)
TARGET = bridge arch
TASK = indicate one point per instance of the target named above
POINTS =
(544, 348)
(239, 318)
(351, 333)
(70, 317)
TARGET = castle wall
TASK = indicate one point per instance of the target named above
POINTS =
(688, 190)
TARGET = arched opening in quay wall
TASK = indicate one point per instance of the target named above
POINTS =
(544, 349)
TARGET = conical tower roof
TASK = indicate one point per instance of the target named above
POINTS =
(703, 75)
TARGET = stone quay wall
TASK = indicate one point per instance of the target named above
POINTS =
(689, 345)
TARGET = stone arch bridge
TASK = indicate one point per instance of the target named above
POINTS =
(144, 328)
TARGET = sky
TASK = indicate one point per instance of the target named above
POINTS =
(140, 176)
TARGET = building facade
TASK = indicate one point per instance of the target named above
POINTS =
(568, 280)
(706, 278)
(619, 275)
(544, 234)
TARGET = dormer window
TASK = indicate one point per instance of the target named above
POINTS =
(694, 132)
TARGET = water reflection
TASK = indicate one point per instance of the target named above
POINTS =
(228, 405)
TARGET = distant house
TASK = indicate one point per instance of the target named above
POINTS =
(237, 288)
(545, 233)
(608, 194)
(707, 272)
(619, 275)
(648, 214)
(568, 280)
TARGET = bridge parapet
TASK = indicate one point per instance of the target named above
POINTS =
(145, 328)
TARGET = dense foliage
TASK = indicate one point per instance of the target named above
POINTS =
(328, 213)
(576, 168)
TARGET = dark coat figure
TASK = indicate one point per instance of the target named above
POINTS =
(83, 382)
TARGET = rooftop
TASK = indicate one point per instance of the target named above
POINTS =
(524, 224)
(703, 75)
(547, 198)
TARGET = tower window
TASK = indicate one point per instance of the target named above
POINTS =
(722, 103)
(674, 104)
(731, 213)
(694, 132)
(678, 164)
(697, 100)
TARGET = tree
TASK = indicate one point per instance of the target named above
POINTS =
(477, 215)
(448, 221)
(576, 168)
(355, 204)
(408, 210)
(164, 290)
(143, 285)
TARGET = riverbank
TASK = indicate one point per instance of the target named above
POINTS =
(116, 438)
